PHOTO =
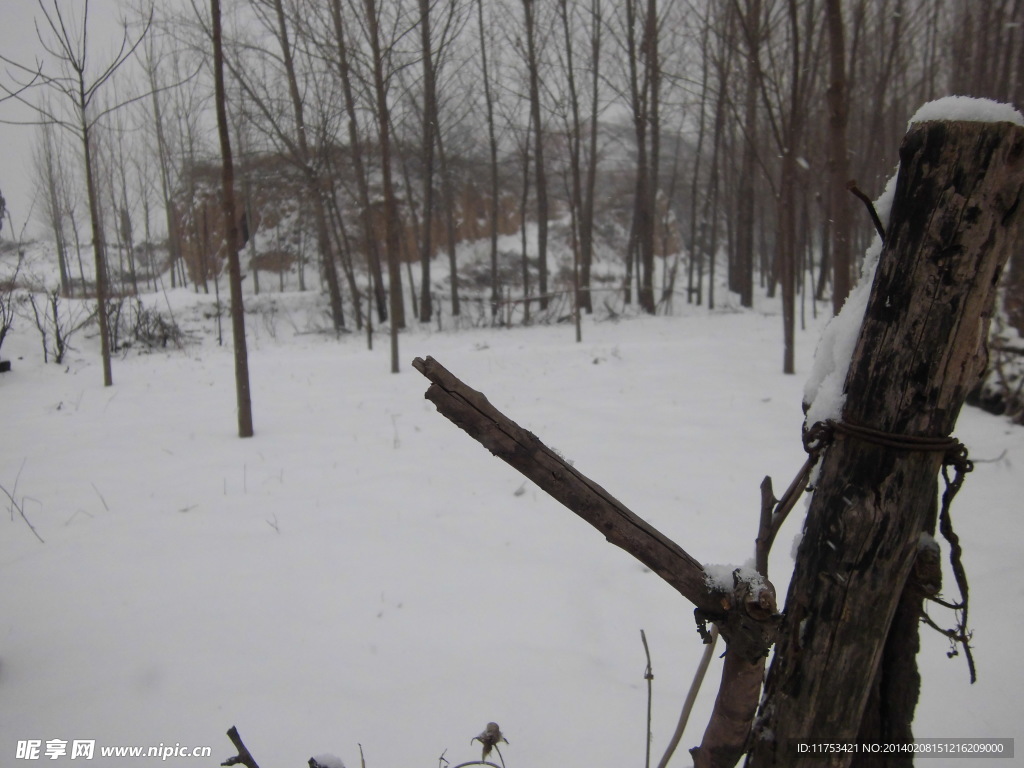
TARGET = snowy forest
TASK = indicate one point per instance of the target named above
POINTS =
(534, 156)
(630, 224)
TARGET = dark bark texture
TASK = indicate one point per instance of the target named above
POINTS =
(956, 217)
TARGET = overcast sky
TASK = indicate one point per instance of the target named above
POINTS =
(18, 41)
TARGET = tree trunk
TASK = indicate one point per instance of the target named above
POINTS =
(786, 250)
(540, 173)
(231, 232)
(450, 231)
(742, 280)
(358, 169)
(587, 214)
(314, 186)
(652, 79)
(99, 248)
(574, 137)
(838, 163)
(956, 216)
(391, 223)
(427, 158)
(492, 142)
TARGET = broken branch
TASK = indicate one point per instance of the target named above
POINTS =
(473, 413)
(243, 757)
(747, 622)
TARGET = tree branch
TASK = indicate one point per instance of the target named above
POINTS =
(243, 757)
(747, 621)
(470, 411)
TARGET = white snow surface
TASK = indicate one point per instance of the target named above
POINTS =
(968, 109)
(361, 572)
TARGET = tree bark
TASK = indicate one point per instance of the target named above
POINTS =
(956, 216)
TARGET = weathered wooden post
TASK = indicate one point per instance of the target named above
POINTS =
(956, 216)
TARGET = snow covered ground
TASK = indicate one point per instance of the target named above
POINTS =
(363, 573)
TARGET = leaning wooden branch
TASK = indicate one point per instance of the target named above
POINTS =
(243, 757)
(746, 618)
(472, 412)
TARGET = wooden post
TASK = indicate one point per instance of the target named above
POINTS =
(956, 216)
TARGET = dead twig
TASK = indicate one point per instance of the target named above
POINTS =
(20, 507)
(869, 204)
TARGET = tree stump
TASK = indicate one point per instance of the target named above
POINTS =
(956, 216)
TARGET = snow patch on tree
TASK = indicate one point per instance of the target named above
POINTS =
(724, 578)
(969, 109)
(824, 396)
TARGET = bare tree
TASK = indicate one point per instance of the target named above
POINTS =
(639, 41)
(151, 64)
(345, 66)
(742, 276)
(429, 123)
(590, 183)
(391, 220)
(48, 173)
(231, 230)
(540, 169)
(7, 285)
(838, 164)
(64, 39)
(295, 140)
(492, 146)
